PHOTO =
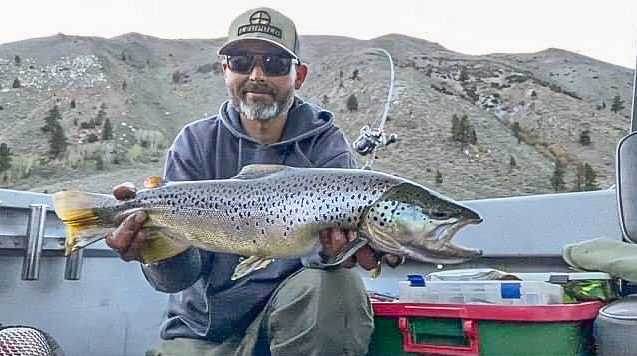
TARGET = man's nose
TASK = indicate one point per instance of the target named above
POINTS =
(257, 72)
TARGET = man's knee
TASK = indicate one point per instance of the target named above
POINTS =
(320, 312)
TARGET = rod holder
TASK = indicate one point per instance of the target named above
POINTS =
(34, 242)
(73, 265)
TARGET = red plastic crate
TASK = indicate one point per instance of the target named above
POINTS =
(475, 318)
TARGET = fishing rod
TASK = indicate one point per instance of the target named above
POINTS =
(371, 139)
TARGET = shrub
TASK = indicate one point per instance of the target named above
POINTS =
(585, 138)
(6, 156)
(99, 163)
(135, 153)
(206, 68)
(438, 177)
(618, 104)
(352, 103)
(178, 77)
(557, 179)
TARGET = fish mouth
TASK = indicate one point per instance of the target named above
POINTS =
(438, 248)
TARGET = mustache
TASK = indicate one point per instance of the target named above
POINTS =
(258, 88)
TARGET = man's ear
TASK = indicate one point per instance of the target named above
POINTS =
(224, 67)
(301, 74)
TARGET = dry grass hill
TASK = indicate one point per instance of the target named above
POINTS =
(149, 87)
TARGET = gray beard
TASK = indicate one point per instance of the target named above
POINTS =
(259, 111)
(263, 112)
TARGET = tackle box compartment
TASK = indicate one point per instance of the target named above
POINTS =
(409, 329)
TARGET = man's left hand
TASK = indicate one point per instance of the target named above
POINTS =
(334, 240)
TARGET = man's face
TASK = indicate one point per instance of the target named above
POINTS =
(256, 94)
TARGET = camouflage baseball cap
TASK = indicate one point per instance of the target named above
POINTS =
(263, 24)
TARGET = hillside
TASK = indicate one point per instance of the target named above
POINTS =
(149, 87)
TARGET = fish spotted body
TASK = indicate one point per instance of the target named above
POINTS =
(272, 211)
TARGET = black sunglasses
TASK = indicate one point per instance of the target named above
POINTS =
(271, 64)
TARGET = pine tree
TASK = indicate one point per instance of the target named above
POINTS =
(585, 138)
(463, 74)
(5, 157)
(355, 74)
(455, 126)
(462, 131)
(578, 183)
(101, 115)
(51, 119)
(107, 130)
(617, 105)
(515, 128)
(512, 163)
(438, 177)
(557, 180)
(72, 103)
(590, 178)
(16, 83)
(17, 60)
(57, 143)
(352, 103)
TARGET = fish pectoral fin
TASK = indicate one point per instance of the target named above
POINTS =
(260, 170)
(350, 250)
(76, 240)
(375, 272)
(322, 261)
(249, 265)
(162, 243)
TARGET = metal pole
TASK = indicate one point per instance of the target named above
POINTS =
(73, 265)
(34, 242)
(633, 120)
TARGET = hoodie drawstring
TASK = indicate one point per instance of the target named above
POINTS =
(240, 155)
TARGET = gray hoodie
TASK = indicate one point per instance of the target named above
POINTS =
(205, 303)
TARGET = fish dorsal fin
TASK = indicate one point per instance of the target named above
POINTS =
(260, 170)
(153, 182)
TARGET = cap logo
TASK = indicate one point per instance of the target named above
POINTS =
(260, 22)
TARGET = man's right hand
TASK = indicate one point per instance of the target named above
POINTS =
(128, 238)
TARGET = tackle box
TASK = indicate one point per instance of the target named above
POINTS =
(478, 291)
(409, 329)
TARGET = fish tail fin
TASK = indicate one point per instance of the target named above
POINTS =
(249, 265)
(79, 212)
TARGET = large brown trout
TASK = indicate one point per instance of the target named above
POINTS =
(271, 211)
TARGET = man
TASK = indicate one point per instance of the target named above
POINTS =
(283, 309)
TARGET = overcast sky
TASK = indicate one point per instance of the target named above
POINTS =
(605, 30)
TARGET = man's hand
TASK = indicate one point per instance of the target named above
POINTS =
(128, 238)
(334, 240)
